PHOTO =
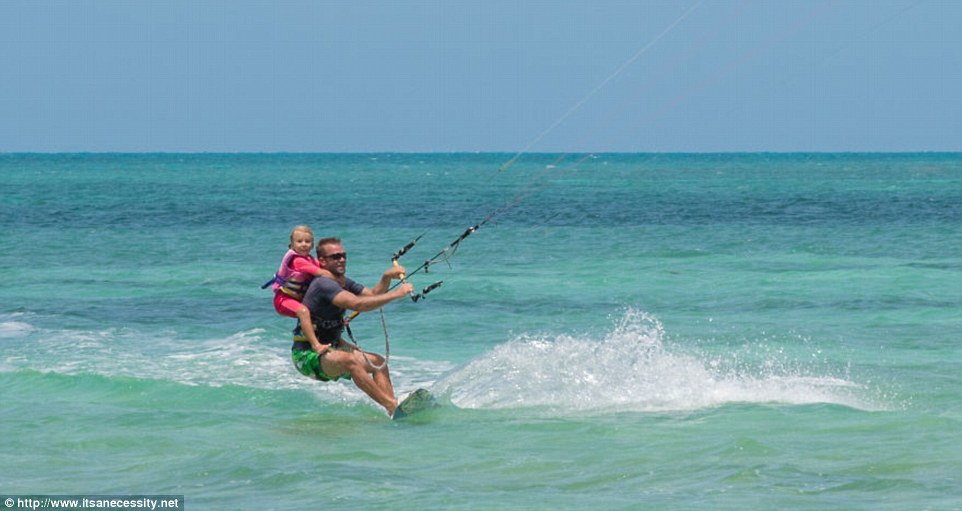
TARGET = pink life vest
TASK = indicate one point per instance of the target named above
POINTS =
(289, 281)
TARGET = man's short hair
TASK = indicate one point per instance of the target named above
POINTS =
(327, 241)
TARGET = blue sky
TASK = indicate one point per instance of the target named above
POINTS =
(486, 75)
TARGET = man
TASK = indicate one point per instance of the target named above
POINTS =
(331, 357)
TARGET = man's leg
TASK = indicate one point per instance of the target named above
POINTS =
(382, 377)
(339, 362)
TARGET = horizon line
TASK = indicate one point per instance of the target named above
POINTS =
(533, 153)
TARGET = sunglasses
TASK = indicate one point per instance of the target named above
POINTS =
(337, 257)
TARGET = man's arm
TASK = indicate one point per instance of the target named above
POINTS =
(368, 302)
(385, 283)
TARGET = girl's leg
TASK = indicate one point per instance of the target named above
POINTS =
(307, 328)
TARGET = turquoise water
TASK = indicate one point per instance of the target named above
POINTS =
(626, 332)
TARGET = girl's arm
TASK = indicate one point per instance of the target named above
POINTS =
(308, 265)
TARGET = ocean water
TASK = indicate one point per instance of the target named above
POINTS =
(651, 331)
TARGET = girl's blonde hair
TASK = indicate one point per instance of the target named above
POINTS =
(301, 228)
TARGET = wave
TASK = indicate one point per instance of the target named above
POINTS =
(630, 369)
(11, 329)
(252, 358)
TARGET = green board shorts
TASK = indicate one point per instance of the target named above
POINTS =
(308, 363)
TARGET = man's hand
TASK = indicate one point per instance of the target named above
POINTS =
(395, 272)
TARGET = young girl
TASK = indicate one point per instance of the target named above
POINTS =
(290, 282)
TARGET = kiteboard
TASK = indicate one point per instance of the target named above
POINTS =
(417, 401)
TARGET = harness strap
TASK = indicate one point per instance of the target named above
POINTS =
(306, 346)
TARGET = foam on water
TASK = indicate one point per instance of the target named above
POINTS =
(248, 359)
(630, 369)
(14, 329)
